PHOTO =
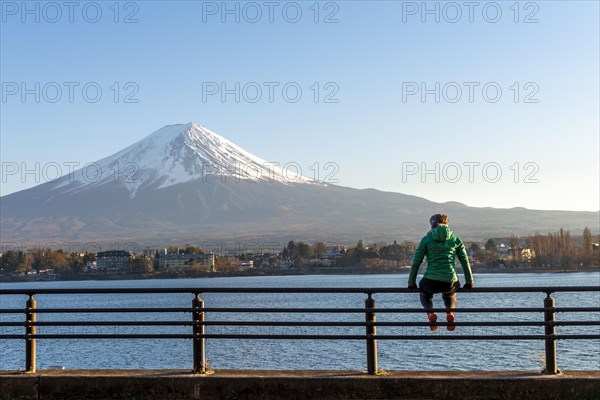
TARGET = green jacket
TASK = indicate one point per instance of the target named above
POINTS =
(440, 246)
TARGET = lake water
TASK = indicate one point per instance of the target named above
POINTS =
(305, 354)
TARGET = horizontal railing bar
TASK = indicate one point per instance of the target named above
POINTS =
(300, 337)
(383, 337)
(397, 323)
(297, 310)
(99, 323)
(575, 323)
(111, 336)
(353, 324)
(198, 290)
(487, 309)
(298, 323)
(279, 337)
(271, 323)
(402, 337)
(94, 310)
(399, 310)
(484, 337)
(575, 337)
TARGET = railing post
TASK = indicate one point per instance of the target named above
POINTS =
(371, 332)
(30, 345)
(198, 342)
(550, 330)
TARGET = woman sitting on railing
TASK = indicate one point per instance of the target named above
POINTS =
(441, 247)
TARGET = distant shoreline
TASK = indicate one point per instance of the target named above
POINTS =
(263, 272)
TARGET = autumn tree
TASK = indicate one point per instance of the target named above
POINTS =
(11, 260)
(391, 252)
(491, 252)
(402, 253)
(554, 249)
(173, 250)
(474, 249)
(141, 265)
(50, 259)
(192, 250)
(320, 249)
(587, 248)
(297, 250)
(514, 244)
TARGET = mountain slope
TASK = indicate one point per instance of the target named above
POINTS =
(184, 182)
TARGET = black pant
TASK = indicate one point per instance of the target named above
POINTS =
(429, 287)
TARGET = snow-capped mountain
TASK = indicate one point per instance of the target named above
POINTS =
(178, 154)
(186, 183)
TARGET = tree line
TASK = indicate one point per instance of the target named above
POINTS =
(552, 250)
(61, 262)
(558, 249)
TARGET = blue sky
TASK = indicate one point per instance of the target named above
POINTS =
(370, 61)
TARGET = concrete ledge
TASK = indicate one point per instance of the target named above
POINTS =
(289, 385)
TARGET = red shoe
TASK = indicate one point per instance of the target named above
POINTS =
(450, 319)
(432, 318)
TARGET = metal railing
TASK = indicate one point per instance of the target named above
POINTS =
(198, 322)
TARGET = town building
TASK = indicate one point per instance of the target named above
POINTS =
(113, 260)
(206, 260)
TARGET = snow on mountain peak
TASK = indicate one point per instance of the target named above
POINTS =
(176, 154)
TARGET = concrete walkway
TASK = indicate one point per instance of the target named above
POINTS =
(290, 385)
